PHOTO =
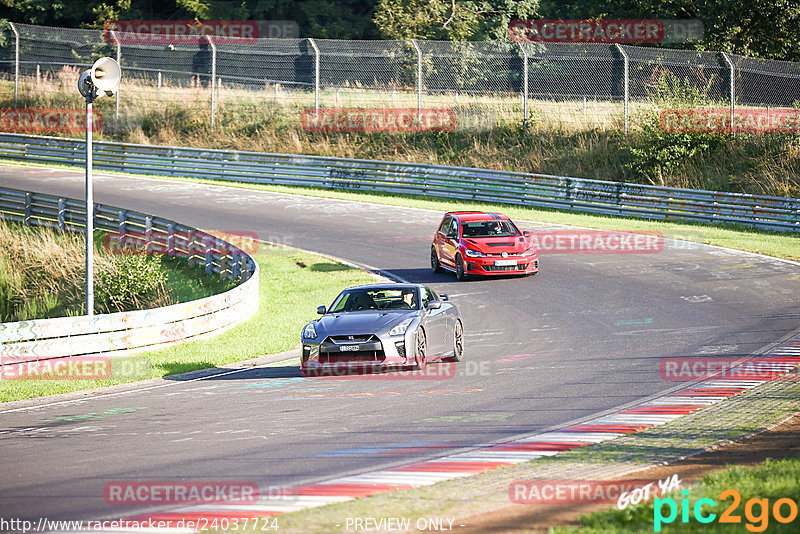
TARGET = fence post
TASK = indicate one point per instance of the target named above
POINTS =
(316, 74)
(525, 88)
(733, 90)
(213, 76)
(626, 83)
(119, 62)
(16, 60)
(419, 79)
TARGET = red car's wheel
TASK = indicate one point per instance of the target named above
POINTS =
(435, 265)
(460, 267)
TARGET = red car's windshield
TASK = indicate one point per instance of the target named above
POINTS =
(490, 228)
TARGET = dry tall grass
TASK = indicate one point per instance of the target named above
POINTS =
(42, 274)
(576, 138)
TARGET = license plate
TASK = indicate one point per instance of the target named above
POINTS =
(505, 263)
(346, 348)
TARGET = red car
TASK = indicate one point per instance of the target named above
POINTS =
(478, 243)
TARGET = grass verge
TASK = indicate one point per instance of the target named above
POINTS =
(292, 284)
(765, 484)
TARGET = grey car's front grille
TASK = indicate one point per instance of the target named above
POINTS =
(349, 340)
(341, 349)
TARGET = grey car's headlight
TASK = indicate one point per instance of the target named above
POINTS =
(309, 332)
(400, 329)
(474, 253)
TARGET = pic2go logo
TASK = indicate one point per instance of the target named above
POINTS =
(758, 521)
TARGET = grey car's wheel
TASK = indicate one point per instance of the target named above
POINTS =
(435, 265)
(420, 350)
(460, 267)
(458, 342)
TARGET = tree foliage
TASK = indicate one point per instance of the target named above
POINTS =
(453, 20)
(767, 28)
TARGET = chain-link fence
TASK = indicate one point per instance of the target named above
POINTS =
(485, 84)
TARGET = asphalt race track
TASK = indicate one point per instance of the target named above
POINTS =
(582, 337)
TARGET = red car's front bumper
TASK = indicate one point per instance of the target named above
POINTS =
(495, 266)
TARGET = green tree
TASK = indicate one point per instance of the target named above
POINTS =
(764, 28)
(454, 20)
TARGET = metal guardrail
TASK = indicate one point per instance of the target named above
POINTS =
(117, 333)
(502, 187)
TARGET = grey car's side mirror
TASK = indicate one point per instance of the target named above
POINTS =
(321, 310)
(434, 305)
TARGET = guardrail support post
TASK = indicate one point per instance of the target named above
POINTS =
(213, 77)
(27, 220)
(525, 86)
(732, 90)
(148, 235)
(62, 208)
(626, 84)
(236, 266)
(316, 74)
(16, 60)
(209, 254)
(171, 239)
(419, 79)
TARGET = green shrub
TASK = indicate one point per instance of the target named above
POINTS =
(130, 280)
(655, 154)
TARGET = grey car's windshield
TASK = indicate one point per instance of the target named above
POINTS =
(492, 228)
(375, 299)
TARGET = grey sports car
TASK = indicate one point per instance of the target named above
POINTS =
(382, 326)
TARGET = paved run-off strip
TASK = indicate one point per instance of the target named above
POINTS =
(780, 360)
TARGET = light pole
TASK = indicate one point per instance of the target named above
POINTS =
(102, 78)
